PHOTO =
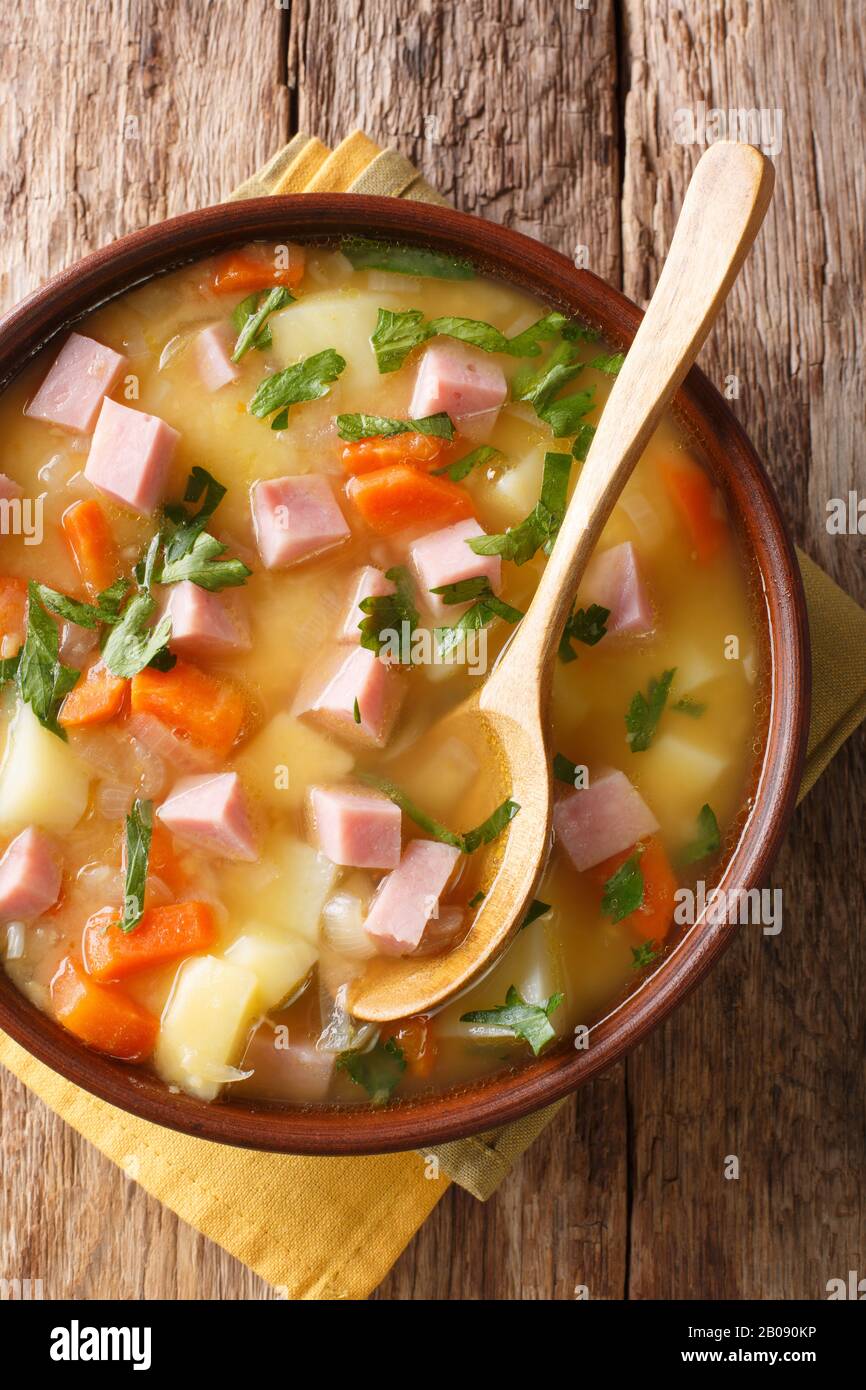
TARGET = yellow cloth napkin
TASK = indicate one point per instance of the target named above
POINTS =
(330, 1228)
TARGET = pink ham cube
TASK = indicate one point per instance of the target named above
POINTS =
(210, 813)
(367, 583)
(10, 491)
(464, 382)
(29, 877)
(130, 456)
(296, 518)
(356, 827)
(613, 580)
(287, 1066)
(80, 378)
(444, 557)
(353, 676)
(212, 354)
(201, 623)
(409, 897)
(604, 818)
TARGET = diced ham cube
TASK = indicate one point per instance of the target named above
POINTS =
(210, 812)
(10, 491)
(444, 557)
(212, 353)
(409, 897)
(356, 827)
(367, 583)
(354, 676)
(613, 580)
(291, 1068)
(80, 378)
(296, 518)
(158, 741)
(29, 877)
(604, 818)
(201, 624)
(130, 455)
(464, 382)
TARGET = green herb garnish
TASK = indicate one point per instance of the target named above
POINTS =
(43, 680)
(462, 467)
(623, 892)
(528, 1021)
(388, 612)
(397, 333)
(686, 705)
(365, 254)
(72, 611)
(645, 711)
(203, 565)
(243, 311)
(538, 530)
(201, 487)
(581, 446)
(565, 415)
(564, 770)
(586, 625)
(708, 838)
(255, 324)
(356, 711)
(139, 829)
(485, 607)
(609, 363)
(477, 899)
(643, 955)
(539, 388)
(354, 427)
(535, 910)
(131, 644)
(307, 380)
(469, 840)
(378, 1070)
(9, 668)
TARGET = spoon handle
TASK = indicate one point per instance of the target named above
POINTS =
(722, 211)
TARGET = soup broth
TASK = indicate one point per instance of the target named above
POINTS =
(236, 803)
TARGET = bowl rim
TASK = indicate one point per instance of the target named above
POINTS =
(530, 265)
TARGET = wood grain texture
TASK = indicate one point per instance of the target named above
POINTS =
(519, 110)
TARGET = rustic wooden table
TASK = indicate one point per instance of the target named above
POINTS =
(558, 117)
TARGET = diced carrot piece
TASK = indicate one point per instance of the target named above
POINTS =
(382, 451)
(652, 920)
(13, 614)
(392, 499)
(415, 1037)
(102, 1016)
(96, 699)
(192, 704)
(163, 863)
(89, 538)
(254, 268)
(164, 934)
(698, 503)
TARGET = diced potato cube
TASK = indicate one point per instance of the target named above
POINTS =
(675, 776)
(42, 782)
(205, 1024)
(442, 775)
(287, 889)
(513, 496)
(279, 764)
(340, 319)
(279, 964)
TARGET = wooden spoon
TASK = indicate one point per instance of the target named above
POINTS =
(723, 209)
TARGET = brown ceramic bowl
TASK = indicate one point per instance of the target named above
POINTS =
(780, 608)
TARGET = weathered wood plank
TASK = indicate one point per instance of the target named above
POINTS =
(765, 1063)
